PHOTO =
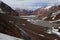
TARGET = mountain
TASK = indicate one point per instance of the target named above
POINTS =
(23, 12)
(7, 9)
(55, 8)
(46, 12)
(54, 13)
(41, 12)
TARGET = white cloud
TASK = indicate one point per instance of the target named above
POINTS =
(28, 4)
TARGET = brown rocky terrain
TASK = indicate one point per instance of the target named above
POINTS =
(55, 10)
(33, 31)
(41, 13)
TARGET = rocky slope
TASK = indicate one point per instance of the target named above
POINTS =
(4, 8)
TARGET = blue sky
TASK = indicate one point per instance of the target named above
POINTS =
(30, 4)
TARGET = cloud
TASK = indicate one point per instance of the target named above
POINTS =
(30, 4)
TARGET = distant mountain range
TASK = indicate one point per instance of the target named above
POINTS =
(18, 12)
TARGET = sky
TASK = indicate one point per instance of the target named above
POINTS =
(30, 4)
